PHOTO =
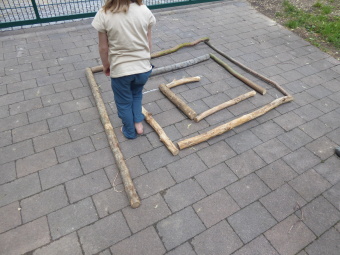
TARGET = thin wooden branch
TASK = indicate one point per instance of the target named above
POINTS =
(273, 83)
(175, 83)
(177, 101)
(232, 124)
(224, 105)
(251, 84)
(162, 135)
(176, 48)
(113, 141)
(180, 65)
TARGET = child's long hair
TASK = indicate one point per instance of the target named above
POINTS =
(119, 5)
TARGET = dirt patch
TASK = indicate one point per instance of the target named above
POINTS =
(270, 8)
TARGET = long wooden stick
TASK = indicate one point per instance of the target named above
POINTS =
(232, 124)
(224, 105)
(162, 135)
(251, 84)
(177, 101)
(274, 84)
(175, 83)
(113, 141)
(176, 48)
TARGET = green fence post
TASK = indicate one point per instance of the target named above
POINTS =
(35, 7)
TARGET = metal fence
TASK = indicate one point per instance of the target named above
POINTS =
(28, 12)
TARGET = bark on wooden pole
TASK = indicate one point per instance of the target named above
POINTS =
(251, 84)
(162, 135)
(274, 84)
(176, 48)
(113, 141)
(175, 83)
(224, 105)
(232, 124)
(177, 101)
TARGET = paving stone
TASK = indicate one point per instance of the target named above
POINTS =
(96, 160)
(13, 122)
(135, 147)
(67, 85)
(187, 127)
(215, 154)
(276, 174)
(216, 178)
(106, 252)
(243, 141)
(74, 149)
(157, 158)
(194, 94)
(334, 136)
(60, 173)
(219, 239)
(152, 210)
(315, 128)
(267, 131)
(51, 140)
(325, 105)
(294, 139)
(7, 172)
(245, 163)
(289, 120)
(332, 195)
(25, 106)
(179, 227)
(271, 150)
(11, 98)
(301, 160)
(329, 169)
(65, 245)
(328, 244)
(183, 194)
(310, 184)
(289, 236)
(308, 112)
(259, 246)
(25, 238)
(215, 208)
(319, 91)
(186, 167)
(43, 203)
(56, 98)
(5, 138)
(29, 131)
(75, 105)
(104, 233)
(144, 242)
(247, 190)
(44, 113)
(251, 221)
(331, 119)
(36, 162)
(72, 218)
(38, 92)
(320, 215)
(154, 182)
(64, 121)
(282, 202)
(87, 185)
(182, 249)
(11, 217)
(19, 189)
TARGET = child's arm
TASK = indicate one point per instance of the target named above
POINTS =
(149, 38)
(104, 52)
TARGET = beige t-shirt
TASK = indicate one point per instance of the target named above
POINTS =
(129, 51)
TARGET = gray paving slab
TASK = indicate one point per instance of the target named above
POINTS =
(60, 189)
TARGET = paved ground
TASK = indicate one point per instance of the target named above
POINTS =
(270, 186)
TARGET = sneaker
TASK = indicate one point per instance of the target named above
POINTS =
(337, 151)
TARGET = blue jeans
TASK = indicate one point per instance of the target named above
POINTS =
(128, 96)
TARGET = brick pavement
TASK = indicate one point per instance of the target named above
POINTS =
(270, 186)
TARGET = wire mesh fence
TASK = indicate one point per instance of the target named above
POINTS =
(25, 12)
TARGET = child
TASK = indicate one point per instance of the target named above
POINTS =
(124, 30)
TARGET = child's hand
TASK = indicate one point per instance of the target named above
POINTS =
(106, 70)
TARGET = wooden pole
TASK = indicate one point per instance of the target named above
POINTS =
(176, 48)
(175, 83)
(113, 141)
(224, 105)
(251, 84)
(232, 124)
(274, 84)
(177, 101)
(162, 135)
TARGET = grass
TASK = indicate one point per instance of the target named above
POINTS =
(319, 22)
